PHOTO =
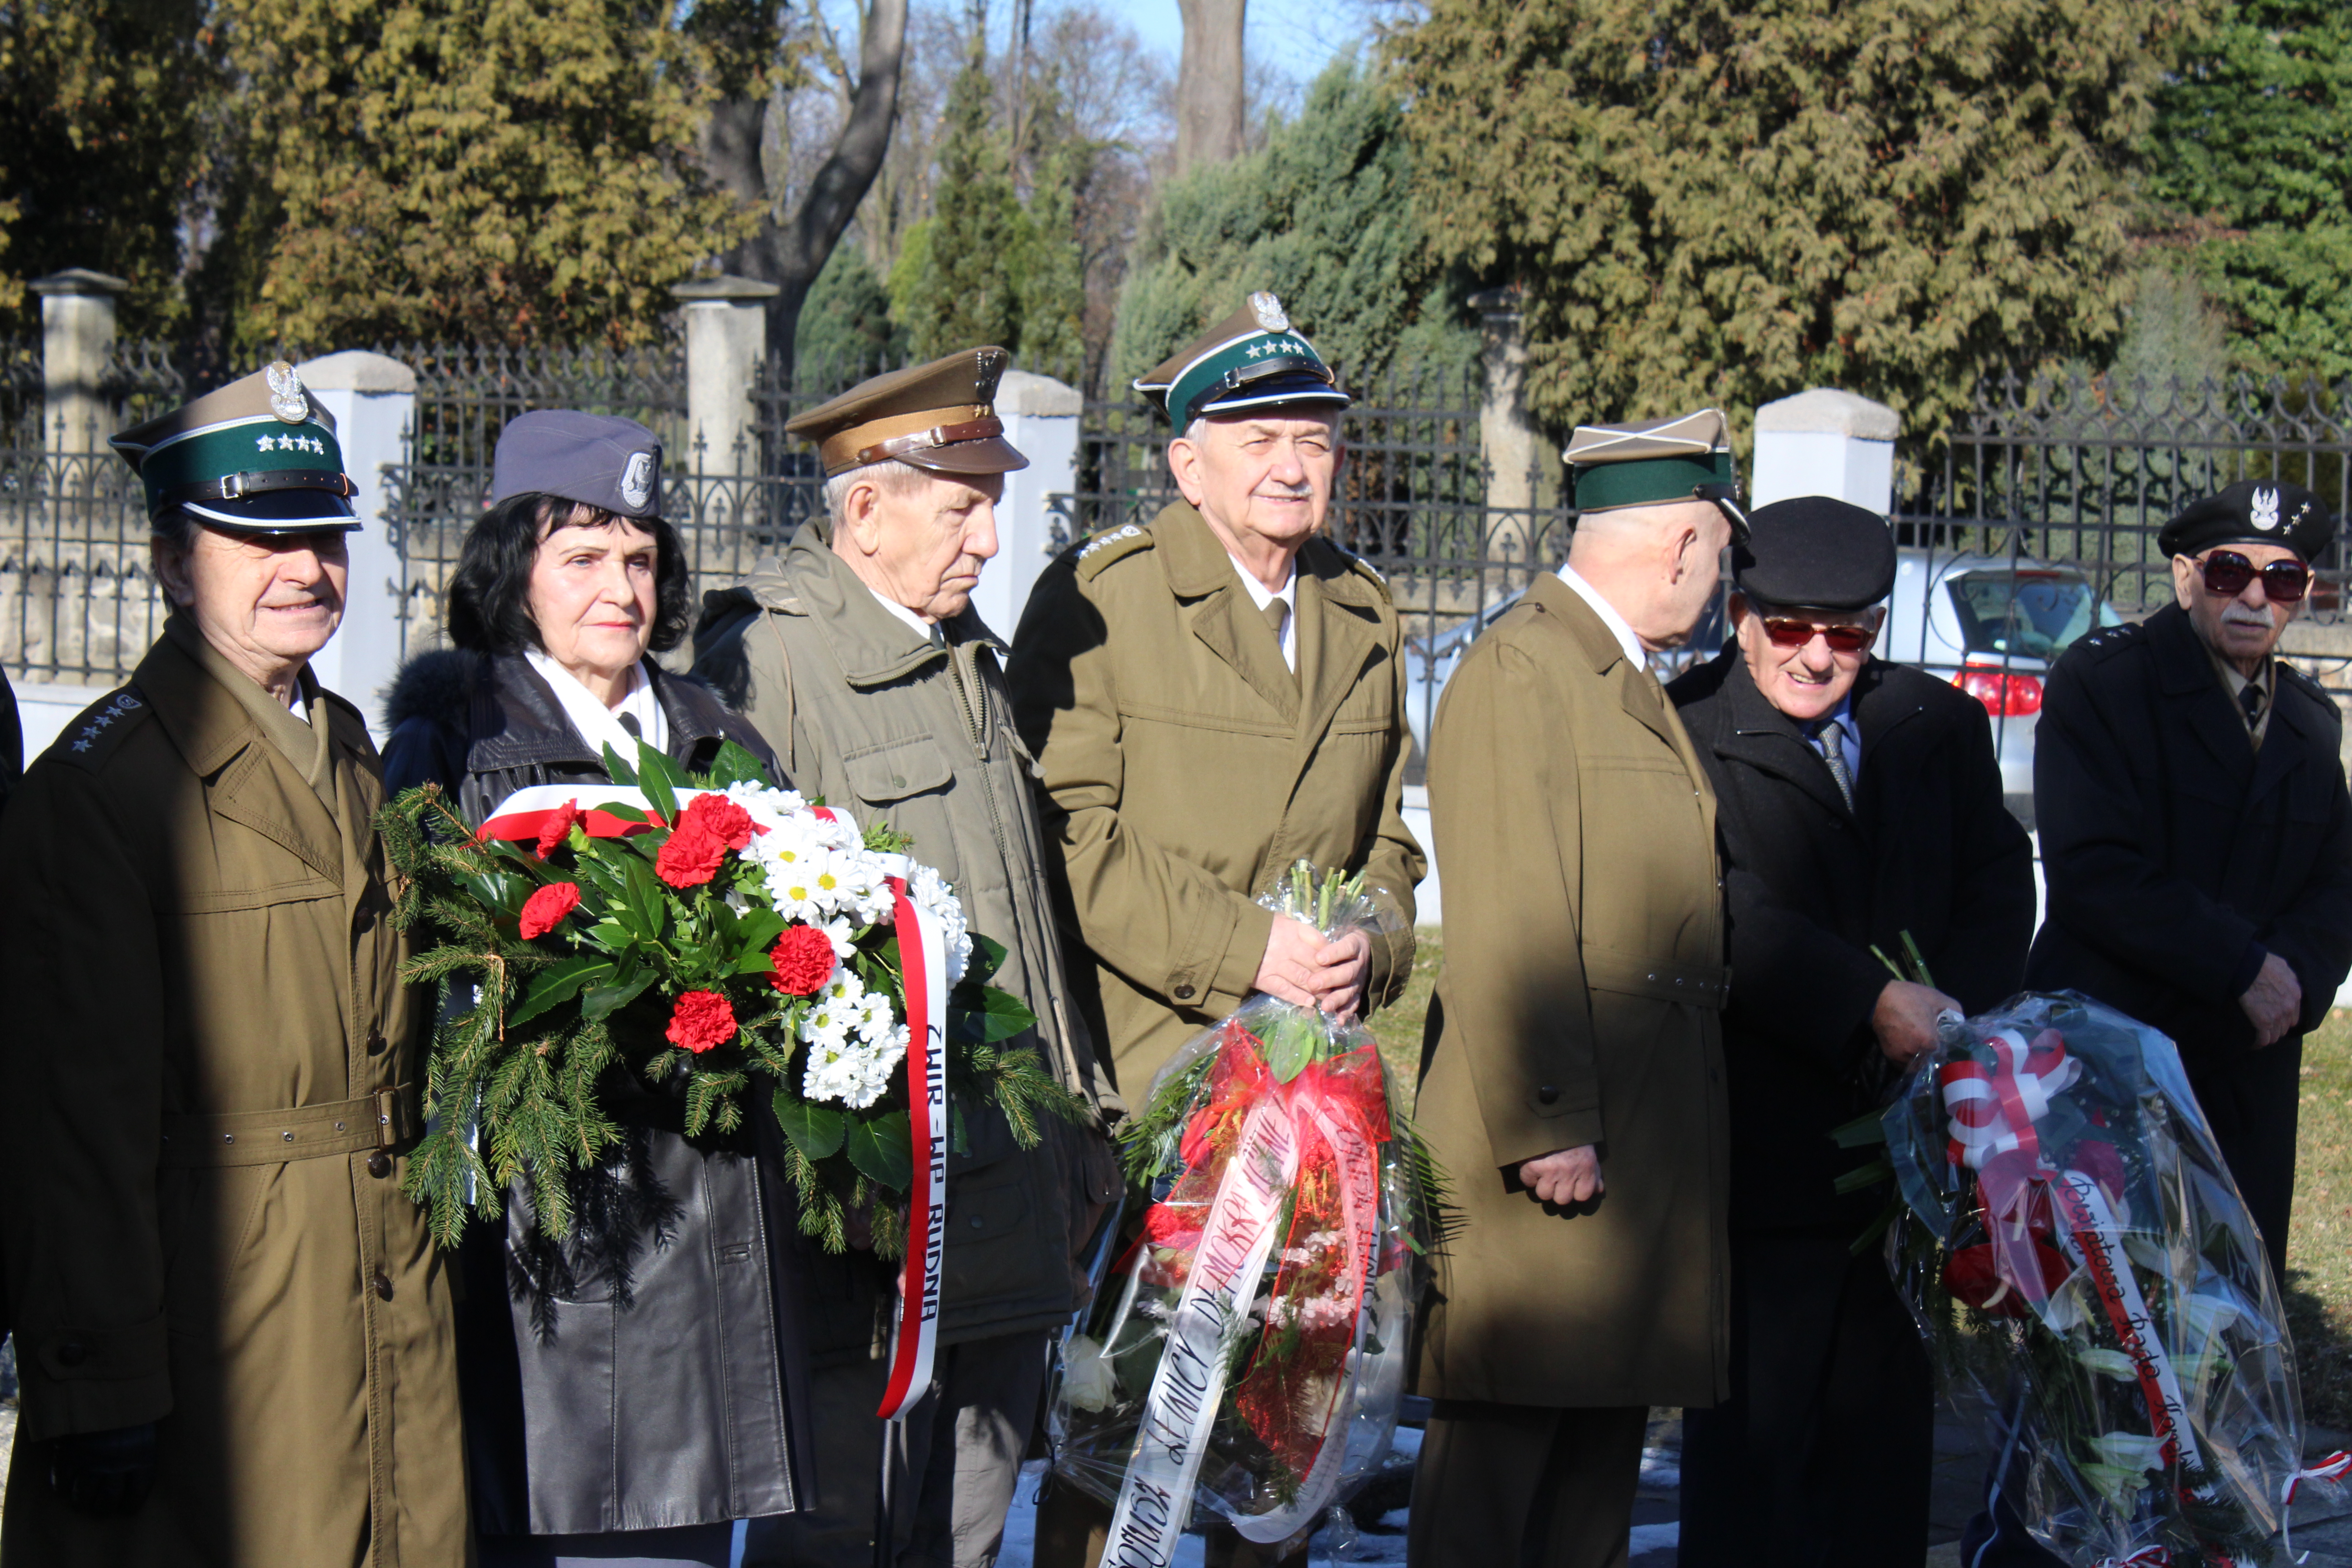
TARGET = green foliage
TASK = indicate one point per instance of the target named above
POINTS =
(958, 286)
(103, 110)
(2255, 135)
(508, 171)
(1727, 201)
(846, 333)
(1323, 216)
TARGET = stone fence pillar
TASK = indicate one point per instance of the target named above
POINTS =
(1520, 463)
(76, 346)
(1826, 443)
(1041, 420)
(726, 343)
(374, 400)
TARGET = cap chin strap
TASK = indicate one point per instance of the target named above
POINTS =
(235, 487)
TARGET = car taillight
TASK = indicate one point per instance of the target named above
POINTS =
(2004, 696)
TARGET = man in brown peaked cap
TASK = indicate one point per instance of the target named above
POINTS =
(1212, 696)
(857, 654)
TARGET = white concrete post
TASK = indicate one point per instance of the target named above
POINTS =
(76, 344)
(1826, 443)
(1041, 420)
(1514, 452)
(726, 340)
(374, 400)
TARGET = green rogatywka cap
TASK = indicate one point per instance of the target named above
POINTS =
(1253, 359)
(1645, 462)
(259, 456)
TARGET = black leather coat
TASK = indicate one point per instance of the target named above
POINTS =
(647, 1374)
(1929, 849)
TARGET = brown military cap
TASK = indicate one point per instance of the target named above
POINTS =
(1253, 359)
(940, 415)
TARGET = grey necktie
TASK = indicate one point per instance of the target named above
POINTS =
(1277, 615)
(1829, 737)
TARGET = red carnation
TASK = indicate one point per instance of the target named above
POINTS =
(545, 909)
(701, 1020)
(558, 823)
(690, 858)
(803, 961)
(720, 817)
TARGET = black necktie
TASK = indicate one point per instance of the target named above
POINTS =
(629, 723)
(2250, 697)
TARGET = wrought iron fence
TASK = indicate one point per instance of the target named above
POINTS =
(79, 604)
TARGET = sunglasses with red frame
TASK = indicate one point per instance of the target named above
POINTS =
(1786, 631)
(2227, 573)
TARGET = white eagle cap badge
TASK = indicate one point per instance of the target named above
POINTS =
(1268, 310)
(2262, 510)
(286, 399)
(637, 479)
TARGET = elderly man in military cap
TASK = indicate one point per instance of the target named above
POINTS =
(1212, 695)
(1572, 1076)
(858, 655)
(1859, 811)
(236, 1333)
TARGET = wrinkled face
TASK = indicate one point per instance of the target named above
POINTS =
(266, 601)
(2243, 629)
(1807, 679)
(592, 595)
(1260, 476)
(923, 543)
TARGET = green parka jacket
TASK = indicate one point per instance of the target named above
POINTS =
(865, 714)
(209, 1081)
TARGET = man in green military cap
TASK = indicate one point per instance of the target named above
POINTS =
(236, 1333)
(859, 657)
(1212, 697)
(1573, 1078)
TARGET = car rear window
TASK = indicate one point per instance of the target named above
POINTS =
(2030, 614)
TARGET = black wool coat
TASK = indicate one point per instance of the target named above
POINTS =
(2176, 855)
(1812, 888)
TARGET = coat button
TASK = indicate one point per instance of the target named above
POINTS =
(978, 1224)
(375, 1042)
(364, 921)
(382, 1283)
(1183, 992)
(1547, 1095)
(73, 1353)
(379, 1164)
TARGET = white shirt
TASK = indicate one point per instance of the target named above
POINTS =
(926, 630)
(1261, 595)
(1619, 627)
(601, 726)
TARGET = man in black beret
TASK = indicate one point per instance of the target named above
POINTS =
(1858, 805)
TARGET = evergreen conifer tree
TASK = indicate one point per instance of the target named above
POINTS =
(956, 283)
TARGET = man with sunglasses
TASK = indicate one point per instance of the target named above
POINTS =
(2195, 831)
(1859, 808)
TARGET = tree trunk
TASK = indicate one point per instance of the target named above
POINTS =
(1209, 84)
(791, 252)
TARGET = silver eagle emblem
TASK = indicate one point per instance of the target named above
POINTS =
(1268, 310)
(286, 399)
(2263, 511)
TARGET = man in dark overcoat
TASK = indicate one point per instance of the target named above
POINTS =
(1858, 802)
(2197, 845)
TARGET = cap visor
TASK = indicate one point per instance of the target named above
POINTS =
(1273, 391)
(278, 511)
(989, 455)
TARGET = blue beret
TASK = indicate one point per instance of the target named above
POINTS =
(599, 458)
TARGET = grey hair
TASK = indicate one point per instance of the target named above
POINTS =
(891, 476)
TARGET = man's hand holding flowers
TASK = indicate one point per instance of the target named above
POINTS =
(1905, 1018)
(1301, 968)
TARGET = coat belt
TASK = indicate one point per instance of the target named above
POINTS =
(1631, 974)
(381, 1121)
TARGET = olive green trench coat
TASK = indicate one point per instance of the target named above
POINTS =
(1580, 1004)
(209, 1082)
(1185, 769)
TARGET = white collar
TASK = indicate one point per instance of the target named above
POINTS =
(1619, 627)
(601, 726)
(1261, 595)
(930, 631)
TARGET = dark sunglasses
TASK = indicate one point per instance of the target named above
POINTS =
(2227, 573)
(1787, 633)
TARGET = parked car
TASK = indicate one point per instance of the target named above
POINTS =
(1992, 626)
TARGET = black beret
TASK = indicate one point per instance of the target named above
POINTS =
(599, 458)
(1818, 553)
(2252, 511)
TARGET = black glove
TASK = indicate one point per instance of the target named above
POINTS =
(106, 1475)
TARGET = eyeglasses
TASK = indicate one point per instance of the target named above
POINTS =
(1842, 638)
(2227, 573)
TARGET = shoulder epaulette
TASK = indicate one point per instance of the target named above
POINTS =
(2312, 688)
(91, 738)
(1105, 548)
(2109, 641)
(346, 704)
(1370, 571)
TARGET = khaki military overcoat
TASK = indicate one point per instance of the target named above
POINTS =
(1185, 769)
(1580, 1004)
(209, 1082)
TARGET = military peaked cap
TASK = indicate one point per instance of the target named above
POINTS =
(259, 456)
(601, 460)
(1643, 463)
(1817, 553)
(2252, 511)
(940, 417)
(1253, 359)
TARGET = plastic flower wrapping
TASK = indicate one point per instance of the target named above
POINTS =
(2077, 1257)
(1246, 1358)
(685, 940)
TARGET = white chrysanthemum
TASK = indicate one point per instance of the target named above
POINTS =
(828, 1023)
(875, 1019)
(929, 890)
(844, 990)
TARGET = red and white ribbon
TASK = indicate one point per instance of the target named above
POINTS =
(922, 960)
(2146, 1557)
(1993, 1109)
(525, 814)
(2333, 1468)
(2090, 1236)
